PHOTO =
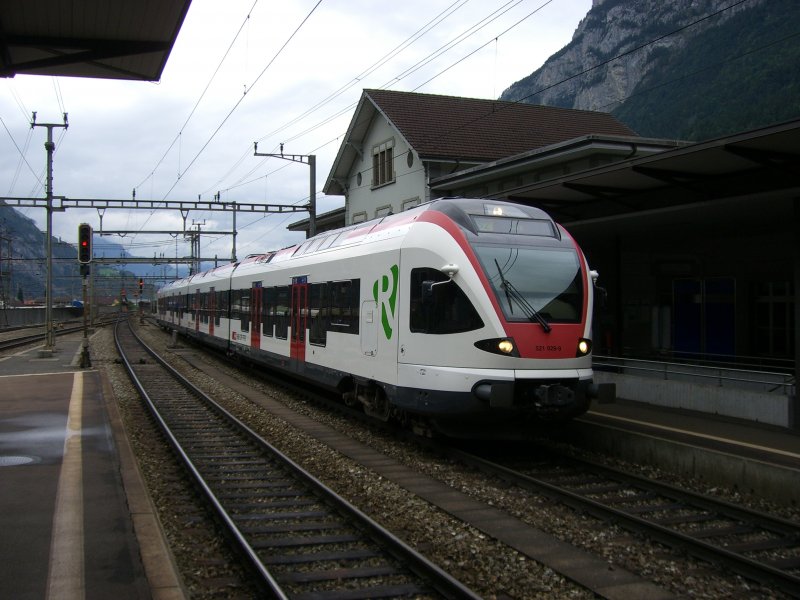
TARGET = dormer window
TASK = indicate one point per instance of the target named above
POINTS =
(382, 163)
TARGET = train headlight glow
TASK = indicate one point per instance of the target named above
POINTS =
(584, 347)
(503, 346)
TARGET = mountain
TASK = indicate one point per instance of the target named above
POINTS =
(683, 69)
(23, 269)
(22, 261)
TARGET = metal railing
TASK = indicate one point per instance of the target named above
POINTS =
(728, 374)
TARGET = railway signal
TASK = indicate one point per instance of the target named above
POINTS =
(84, 243)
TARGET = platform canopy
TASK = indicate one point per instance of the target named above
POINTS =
(107, 39)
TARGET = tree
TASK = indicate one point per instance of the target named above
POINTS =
(20, 295)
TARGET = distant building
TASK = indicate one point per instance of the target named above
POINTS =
(397, 142)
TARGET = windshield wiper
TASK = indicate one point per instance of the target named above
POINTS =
(513, 293)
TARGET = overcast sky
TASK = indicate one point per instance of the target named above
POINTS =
(293, 73)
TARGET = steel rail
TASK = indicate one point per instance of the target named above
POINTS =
(436, 580)
(737, 562)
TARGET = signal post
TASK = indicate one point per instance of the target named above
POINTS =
(85, 260)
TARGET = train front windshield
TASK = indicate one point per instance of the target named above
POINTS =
(532, 283)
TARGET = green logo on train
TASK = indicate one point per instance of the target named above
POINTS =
(388, 304)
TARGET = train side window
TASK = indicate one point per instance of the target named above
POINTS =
(235, 307)
(319, 307)
(282, 306)
(439, 306)
(223, 304)
(345, 298)
(244, 310)
(268, 309)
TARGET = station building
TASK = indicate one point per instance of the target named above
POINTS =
(697, 244)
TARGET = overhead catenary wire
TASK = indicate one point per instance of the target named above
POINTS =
(538, 91)
(469, 32)
(595, 66)
(21, 152)
(200, 98)
(601, 64)
(242, 97)
(238, 102)
(452, 8)
(484, 21)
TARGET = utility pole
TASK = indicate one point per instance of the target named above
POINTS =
(6, 293)
(311, 161)
(50, 338)
(194, 237)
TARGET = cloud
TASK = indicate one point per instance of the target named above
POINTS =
(134, 134)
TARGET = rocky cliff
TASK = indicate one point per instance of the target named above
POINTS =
(689, 69)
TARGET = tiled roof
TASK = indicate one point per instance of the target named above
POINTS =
(484, 130)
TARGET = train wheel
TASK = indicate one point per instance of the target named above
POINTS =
(376, 404)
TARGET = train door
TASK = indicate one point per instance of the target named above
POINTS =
(197, 310)
(299, 314)
(212, 310)
(255, 315)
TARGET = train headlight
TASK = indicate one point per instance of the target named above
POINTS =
(503, 346)
(584, 347)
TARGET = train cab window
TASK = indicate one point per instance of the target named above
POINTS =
(439, 306)
(319, 311)
(547, 281)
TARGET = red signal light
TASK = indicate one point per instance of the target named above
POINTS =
(84, 243)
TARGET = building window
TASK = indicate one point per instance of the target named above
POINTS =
(774, 319)
(383, 211)
(410, 203)
(382, 163)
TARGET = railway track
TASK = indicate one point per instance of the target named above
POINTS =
(29, 338)
(300, 539)
(754, 545)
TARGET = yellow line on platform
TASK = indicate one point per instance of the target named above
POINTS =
(65, 579)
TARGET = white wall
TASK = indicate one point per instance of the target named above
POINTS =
(409, 186)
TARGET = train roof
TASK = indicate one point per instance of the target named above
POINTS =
(460, 210)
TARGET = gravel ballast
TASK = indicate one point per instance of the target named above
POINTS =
(490, 568)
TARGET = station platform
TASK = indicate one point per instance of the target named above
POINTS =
(759, 459)
(75, 519)
(77, 523)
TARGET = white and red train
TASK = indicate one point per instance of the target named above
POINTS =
(460, 313)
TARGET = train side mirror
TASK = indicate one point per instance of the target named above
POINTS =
(427, 290)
